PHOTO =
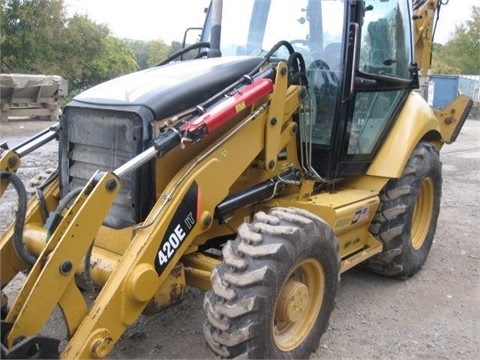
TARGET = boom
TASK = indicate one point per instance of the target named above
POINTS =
(425, 15)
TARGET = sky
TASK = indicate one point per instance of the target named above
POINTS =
(168, 19)
(143, 19)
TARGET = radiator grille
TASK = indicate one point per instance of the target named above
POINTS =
(95, 139)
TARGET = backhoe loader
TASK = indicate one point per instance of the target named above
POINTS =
(294, 146)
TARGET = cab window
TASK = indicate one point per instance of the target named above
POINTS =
(386, 48)
(385, 60)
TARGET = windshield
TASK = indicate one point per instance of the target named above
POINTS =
(315, 28)
(252, 27)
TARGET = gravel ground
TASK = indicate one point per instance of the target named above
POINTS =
(434, 315)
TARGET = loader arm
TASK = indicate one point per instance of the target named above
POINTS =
(51, 279)
(183, 212)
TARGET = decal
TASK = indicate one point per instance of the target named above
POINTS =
(240, 107)
(361, 215)
(180, 227)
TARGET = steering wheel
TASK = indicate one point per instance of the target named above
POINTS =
(330, 79)
(318, 65)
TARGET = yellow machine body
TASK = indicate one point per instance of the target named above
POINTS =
(145, 267)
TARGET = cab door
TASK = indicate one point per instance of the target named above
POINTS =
(385, 74)
(379, 73)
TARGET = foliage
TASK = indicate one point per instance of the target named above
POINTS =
(30, 32)
(115, 59)
(461, 54)
(82, 41)
(37, 37)
(140, 50)
(150, 53)
(174, 47)
(157, 50)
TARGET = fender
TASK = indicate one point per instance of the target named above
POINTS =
(414, 123)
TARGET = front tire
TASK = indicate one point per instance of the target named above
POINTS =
(406, 219)
(275, 290)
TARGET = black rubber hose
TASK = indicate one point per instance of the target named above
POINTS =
(269, 54)
(57, 214)
(41, 198)
(18, 245)
(243, 79)
(297, 63)
(182, 52)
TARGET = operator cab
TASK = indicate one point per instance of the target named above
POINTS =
(359, 60)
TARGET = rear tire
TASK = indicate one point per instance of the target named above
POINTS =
(407, 217)
(275, 290)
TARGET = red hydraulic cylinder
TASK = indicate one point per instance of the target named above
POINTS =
(228, 108)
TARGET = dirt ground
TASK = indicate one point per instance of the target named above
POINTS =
(434, 315)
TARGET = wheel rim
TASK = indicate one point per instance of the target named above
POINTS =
(422, 213)
(298, 304)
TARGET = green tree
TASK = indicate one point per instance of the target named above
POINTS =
(92, 55)
(174, 47)
(152, 52)
(157, 50)
(37, 37)
(31, 30)
(82, 39)
(140, 49)
(461, 54)
(116, 58)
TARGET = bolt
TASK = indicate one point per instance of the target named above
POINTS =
(101, 347)
(111, 184)
(207, 220)
(66, 267)
(271, 164)
(294, 128)
(12, 161)
(448, 120)
(273, 121)
(283, 71)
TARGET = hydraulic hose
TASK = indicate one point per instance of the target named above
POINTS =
(18, 245)
(295, 63)
(55, 217)
(183, 51)
(41, 198)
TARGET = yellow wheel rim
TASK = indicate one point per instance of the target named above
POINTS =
(422, 213)
(298, 304)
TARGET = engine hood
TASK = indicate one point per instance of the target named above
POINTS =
(168, 89)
